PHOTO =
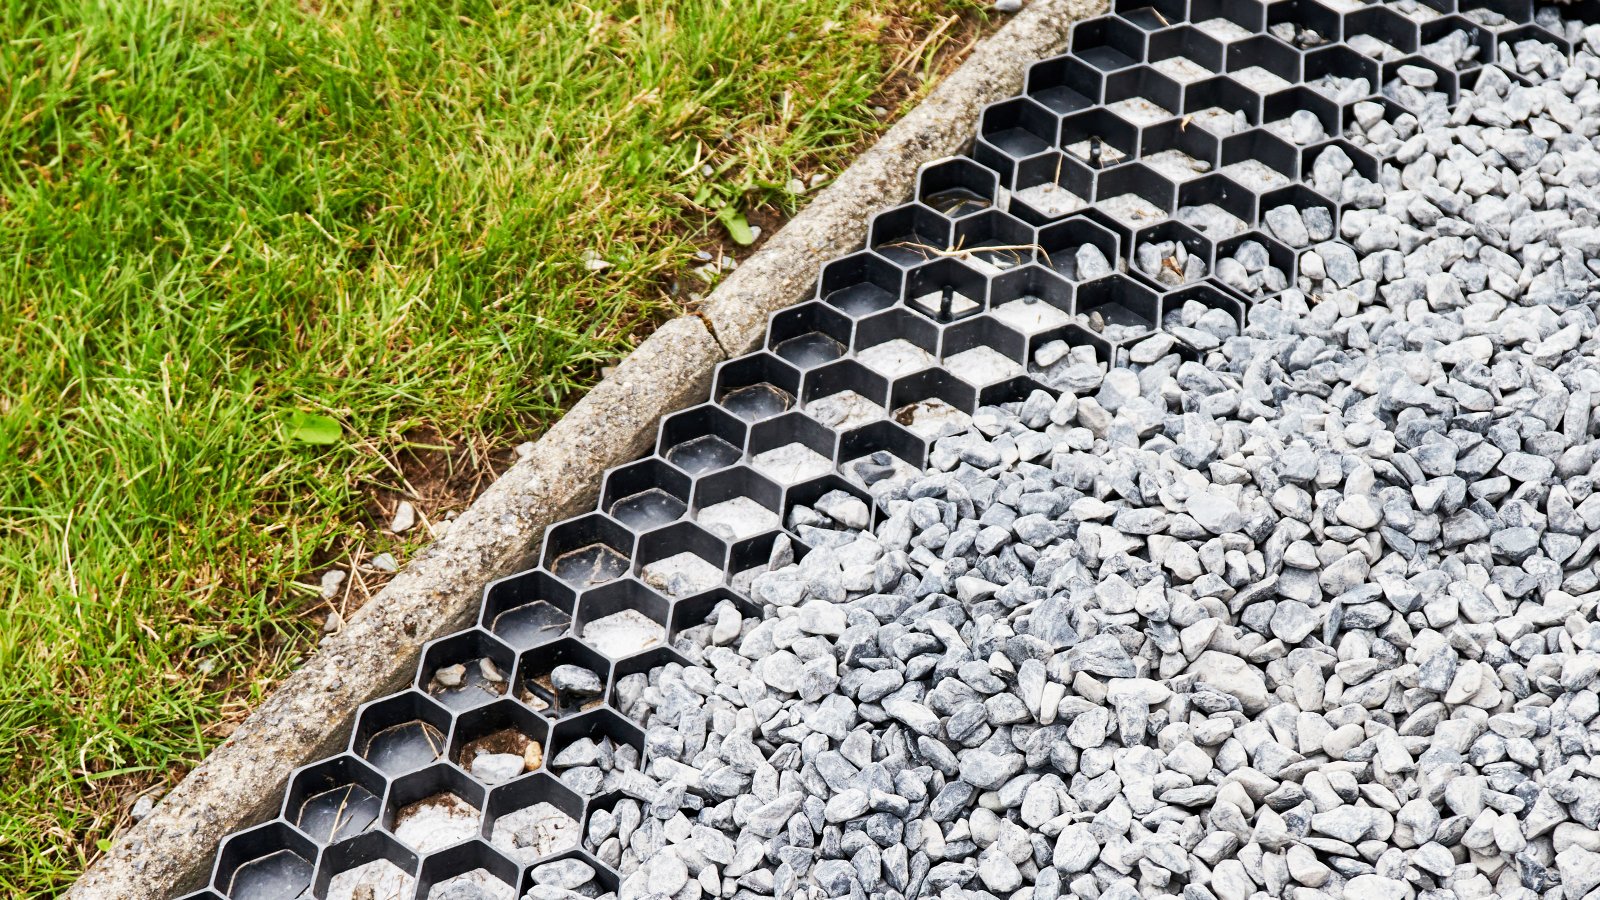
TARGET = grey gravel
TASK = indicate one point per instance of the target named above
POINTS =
(575, 681)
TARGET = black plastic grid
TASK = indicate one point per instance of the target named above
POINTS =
(1159, 108)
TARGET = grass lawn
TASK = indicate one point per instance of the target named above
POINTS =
(267, 268)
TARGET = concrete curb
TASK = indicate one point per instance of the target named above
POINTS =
(308, 716)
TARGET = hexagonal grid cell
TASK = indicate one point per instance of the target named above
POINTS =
(860, 284)
(1012, 130)
(1523, 49)
(1178, 152)
(957, 186)
(1297, 216)
(1064, 84)
(1067, 356)
(809, 335)
(989, 242)
(791, 448)
(632, 680)
(819, 511)
(1424, 11)
(1049, 186)
(752, 557)
(1130, 197)
(881, 457)
(845, 395)
(646, 494)
(1300, 116)
(721, 614)
(756, 387)
(1099, 138)
(983, 351)
(1419, 85)
(934, 403)
(1216, 206)
(1108, 43)
(500, 742)
(270, 862)
(1181, 164)
(1456, 43)
(681, 559)
(1116, 308)
(1228, 20)
(1151, 15)
(626, 617)
(533, 818)
(736, 503)
(588, 550)
(473, 863)
(1263, 64)
(1304, 24)
(374, 862)
(1034, 299)
(899, 342)
(335, 799)
(1380, 34)
(1185, 54)
(465, 670)
(562, 679)
(1221, 106)
(434, 808)
(401, 732)
(1254, 265)
(1259, 161)
(600, 838)
(589, 752)
(1378, 125)
(910, 234)
(1341, 74)
(701, 439)
(1171, 254)
(1143, 96)
(527, 609)
(953, 288)
(1201, 316)
(1326, 165)
(1496, 15)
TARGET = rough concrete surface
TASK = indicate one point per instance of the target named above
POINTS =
(308, 716)
(784, 271)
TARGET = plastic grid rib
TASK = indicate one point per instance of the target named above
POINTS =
(1160, 108)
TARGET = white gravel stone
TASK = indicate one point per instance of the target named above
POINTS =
(792, 463)
(681, 575)
(891, 359)
(375, 880)
(436, 823)
(623, 633)
(534, 832)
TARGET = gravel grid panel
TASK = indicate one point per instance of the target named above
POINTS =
(1193, 175)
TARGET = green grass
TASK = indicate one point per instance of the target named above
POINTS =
(214, 214)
